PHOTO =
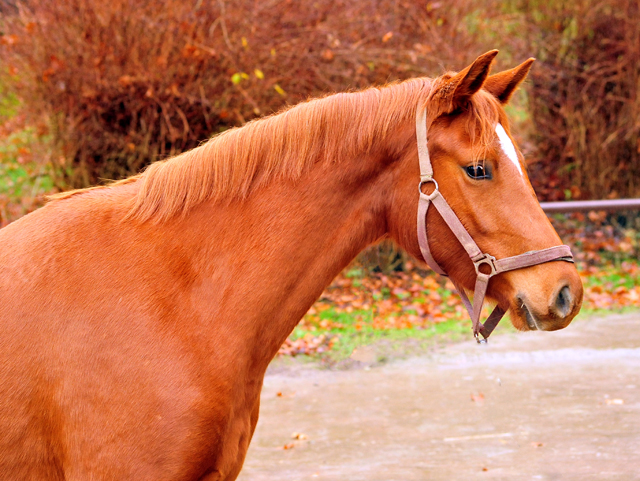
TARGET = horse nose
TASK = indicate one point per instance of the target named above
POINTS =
(563, 303)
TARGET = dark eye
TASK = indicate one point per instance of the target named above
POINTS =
(478, 171)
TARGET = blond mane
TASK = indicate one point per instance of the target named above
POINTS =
(230, 165)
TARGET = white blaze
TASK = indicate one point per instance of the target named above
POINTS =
(507, 147)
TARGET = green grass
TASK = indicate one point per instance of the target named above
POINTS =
(394, 340)
(9, 104)
(24, 176)
(353, 330)
(17, 178)
(612, 278)
(23, 180)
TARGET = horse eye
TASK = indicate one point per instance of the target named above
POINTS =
(478, 172)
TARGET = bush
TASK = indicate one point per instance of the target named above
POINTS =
(584, 98)
(126, 82)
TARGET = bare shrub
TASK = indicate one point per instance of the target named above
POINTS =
(126, 82)
(585, 97)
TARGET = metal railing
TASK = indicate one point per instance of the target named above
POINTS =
(586, 205)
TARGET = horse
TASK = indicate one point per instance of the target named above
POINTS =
(137, 319)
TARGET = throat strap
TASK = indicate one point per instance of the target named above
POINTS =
(486, 265)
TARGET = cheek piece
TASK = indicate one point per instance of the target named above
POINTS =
(481, 260)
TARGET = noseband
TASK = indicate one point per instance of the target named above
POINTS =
(481, 260)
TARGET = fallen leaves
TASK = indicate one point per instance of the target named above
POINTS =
(328, 55)
(285, 395)
(402, 300)
(609, 286)
(477, 398)
(298, 440)
(387, 36)
(308, 344)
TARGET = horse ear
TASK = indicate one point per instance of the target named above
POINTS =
(502, 85)
(459, 89)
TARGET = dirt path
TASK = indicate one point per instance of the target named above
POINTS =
(534, 406)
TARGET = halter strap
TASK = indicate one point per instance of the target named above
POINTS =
(481, 261)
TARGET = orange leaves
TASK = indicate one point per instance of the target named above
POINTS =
(599, 247)
(8, 40)
(608, 296)
(55, 65)
(409, 300)
(308, 344)
(477, 398)
(377, 302)
(190, 51)
(298, 439)
(198, 51)
(125, 80)
(328, 55)
(597, 216)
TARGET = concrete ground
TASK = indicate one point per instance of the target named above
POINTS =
(529, 406)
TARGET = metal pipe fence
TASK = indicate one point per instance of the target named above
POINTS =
(586, 205)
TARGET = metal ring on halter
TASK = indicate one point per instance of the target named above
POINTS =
(479, 340)
(487, 260)
(426, 180)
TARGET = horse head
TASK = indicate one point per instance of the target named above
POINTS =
(478, 169)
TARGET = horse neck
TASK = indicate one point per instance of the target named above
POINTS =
(264, 260)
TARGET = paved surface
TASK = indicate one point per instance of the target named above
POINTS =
(529, 406)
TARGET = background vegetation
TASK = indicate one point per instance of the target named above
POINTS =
(584, 97)
(119, 84)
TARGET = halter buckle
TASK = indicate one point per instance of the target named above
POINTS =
(425, 179)
(488, 260)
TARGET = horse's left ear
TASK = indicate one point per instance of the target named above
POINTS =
(502, 85)
(458, 90)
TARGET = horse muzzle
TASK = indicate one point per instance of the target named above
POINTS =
(556, 313)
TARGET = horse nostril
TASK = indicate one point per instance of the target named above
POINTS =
(563, 302)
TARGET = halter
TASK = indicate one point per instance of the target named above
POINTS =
(481, 260)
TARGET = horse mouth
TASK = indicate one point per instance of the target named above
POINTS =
(525, 312)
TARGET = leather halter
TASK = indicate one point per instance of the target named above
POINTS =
(481, 260)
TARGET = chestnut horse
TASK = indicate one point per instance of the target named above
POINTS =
(137, 319)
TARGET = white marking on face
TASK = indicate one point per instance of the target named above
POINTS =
(507, 147)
